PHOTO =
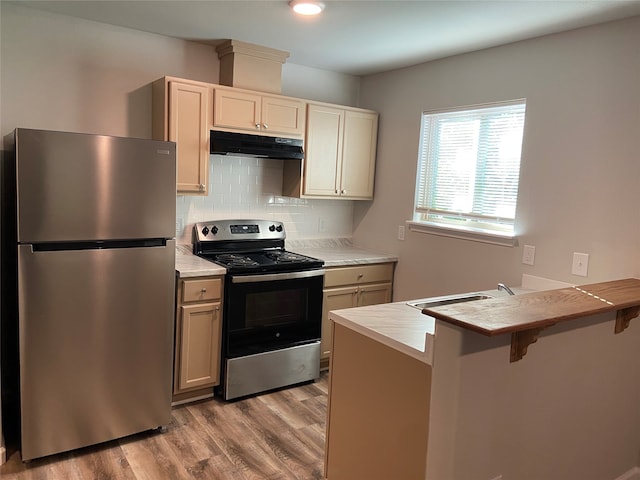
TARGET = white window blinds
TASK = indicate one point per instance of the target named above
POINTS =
(469, 167)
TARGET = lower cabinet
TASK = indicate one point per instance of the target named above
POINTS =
(198, 338)
(357, 286)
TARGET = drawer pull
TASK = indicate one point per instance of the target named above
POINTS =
(360, 275)
(204, 290)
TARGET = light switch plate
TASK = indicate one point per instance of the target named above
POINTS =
(580, 265)
(528, 254)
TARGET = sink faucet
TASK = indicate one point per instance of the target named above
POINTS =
(502, 286)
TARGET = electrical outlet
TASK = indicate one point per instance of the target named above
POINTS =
(580, 264)
(400, 232)
(528, 254)
(322, 226)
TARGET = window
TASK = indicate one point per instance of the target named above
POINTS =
(468, 171)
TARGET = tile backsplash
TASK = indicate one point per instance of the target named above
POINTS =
(242, 187)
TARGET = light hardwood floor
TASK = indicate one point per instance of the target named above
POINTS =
(278, 435)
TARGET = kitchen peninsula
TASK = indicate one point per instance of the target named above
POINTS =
(413, 397)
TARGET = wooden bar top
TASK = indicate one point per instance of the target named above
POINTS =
(538, 310)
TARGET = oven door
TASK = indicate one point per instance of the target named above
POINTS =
(269, 311)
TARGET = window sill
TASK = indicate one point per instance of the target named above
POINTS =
(475, 235)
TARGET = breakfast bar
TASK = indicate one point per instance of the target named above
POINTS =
(431, 394)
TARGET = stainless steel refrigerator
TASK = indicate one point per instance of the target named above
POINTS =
(96, 254)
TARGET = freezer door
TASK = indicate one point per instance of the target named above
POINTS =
(75, 186)
(96, 343)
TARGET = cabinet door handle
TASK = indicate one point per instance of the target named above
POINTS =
(342, 192)
(265, 126)
(201, 187)
(257, 126)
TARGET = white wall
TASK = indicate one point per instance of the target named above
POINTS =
(580, 175)
(570, 408)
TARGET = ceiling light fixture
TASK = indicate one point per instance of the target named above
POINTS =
(306, 7)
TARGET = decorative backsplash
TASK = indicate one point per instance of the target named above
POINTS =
(241, 187)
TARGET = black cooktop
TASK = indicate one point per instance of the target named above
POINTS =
(248, 246)
(278, 260)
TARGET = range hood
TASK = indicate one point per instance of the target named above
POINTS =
(241, 144)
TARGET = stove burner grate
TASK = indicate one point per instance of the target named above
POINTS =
(235, 260)
(284, 257)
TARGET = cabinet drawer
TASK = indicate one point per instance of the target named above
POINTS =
(378, 272)
(199, 290)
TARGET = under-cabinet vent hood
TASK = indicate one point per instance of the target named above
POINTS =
(227, 143)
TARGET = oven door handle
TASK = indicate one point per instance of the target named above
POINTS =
(268, 277)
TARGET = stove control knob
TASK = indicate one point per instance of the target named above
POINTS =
(214, 229)
(279, 228)
(272, 228)
(205, 231)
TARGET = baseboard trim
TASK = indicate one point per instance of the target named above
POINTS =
(633, 474)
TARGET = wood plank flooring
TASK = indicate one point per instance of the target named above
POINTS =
(278, 435)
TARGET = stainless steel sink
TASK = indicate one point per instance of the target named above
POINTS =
(448, 300)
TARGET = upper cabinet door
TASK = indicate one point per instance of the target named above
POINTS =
(340, 152)
(189, 128)
(248, 112)
(283, 116)
(359, 154)
(323, 150)
(236, 110)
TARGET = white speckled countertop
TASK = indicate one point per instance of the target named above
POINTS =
(396, 325)
(334, 253)
(188, 265)
(338, 252)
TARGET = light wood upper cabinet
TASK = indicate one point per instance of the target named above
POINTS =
(283, 115)
(323, 158)
(340, 142)
(340, 152)
(249, 112)
(358, 154)
(181, 113)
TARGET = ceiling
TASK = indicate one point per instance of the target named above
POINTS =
(357, 37)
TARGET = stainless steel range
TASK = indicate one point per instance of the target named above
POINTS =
(272, 305)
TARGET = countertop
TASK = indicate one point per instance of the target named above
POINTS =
(338, 252)
(334, 253)
(189, 265)
(411, 331)
(396, 325)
